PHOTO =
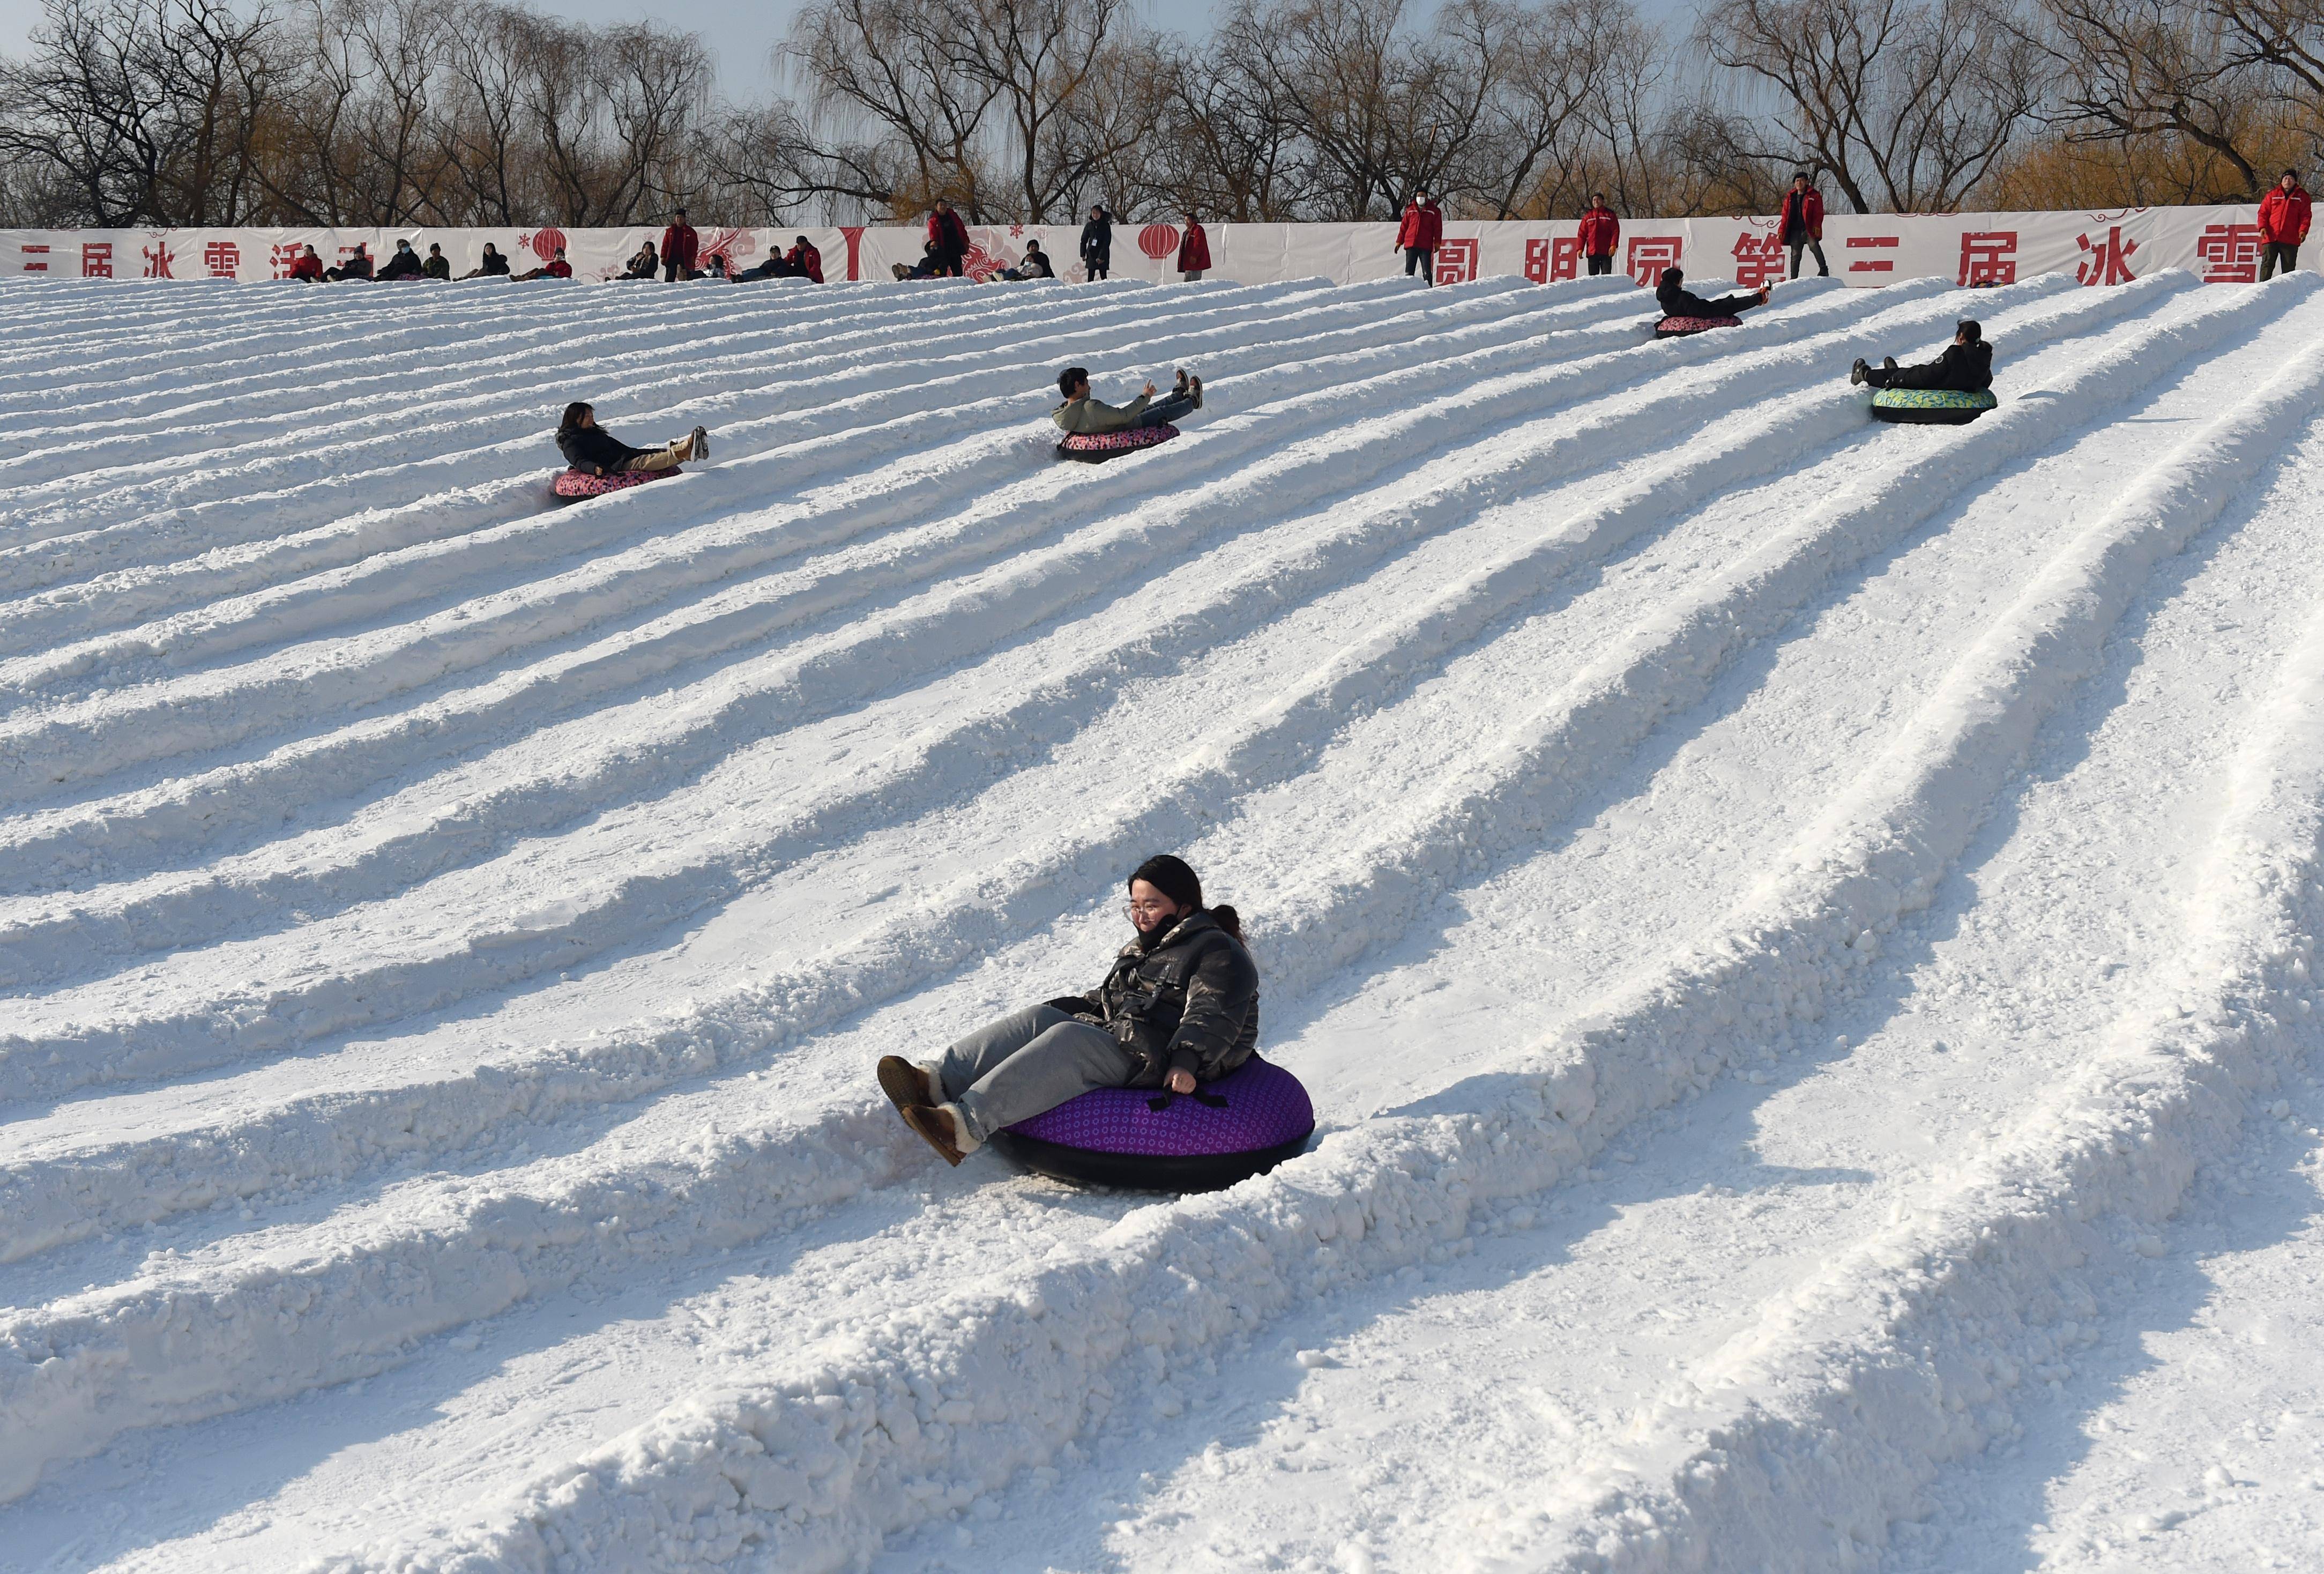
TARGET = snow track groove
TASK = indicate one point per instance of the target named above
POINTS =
(489, 911)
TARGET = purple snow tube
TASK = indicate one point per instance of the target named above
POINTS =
(572, 483)
(1094, 448)
(1146, 1139)
(1680, 326)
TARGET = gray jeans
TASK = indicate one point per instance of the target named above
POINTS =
(1029, 1061)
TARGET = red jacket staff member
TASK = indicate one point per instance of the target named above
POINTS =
(948, 238)
(679, 246)
(1800, 225)
(309, 267)
(1601, 232)
(1194, 251)
(2283, 224)
(805, 261)
(1419, 235)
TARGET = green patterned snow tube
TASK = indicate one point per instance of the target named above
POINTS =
(1932, 406)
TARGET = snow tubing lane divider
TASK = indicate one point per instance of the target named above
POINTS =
(1932, 406)
(1094, 448)
(573, 484)
(1148, 1139)
(1681, 327)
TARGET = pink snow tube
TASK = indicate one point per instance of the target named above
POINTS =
(1680, 326)
(572, 483)
(1094, 448)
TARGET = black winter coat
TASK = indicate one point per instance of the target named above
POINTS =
(1097, 240)
(1677, 300)
(1963, 367)
(594, 449)
(1187, 1000)
(403, 265)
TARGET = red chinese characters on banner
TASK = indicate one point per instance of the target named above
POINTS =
(157, 260)
(1650, 255)
(2109, 260)
(1874, 243)
(2229, 254)
(1456, 261)
(36, 257)
(1988, 256)
(1548, 261)
(281, 256)
(1759, 259)
(222, 259)
(96, 259)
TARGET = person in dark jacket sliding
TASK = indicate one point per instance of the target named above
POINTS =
(1097, 243)
(1179, 1007)
(679, 246)
(1677, 300)
(1800, 225)
(1966, 366)
(592, 450)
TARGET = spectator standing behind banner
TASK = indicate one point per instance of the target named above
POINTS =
(1419, 235)
(1799, 226)
(947, 239)
(357, 266)
(679, 246)
(1601, 232)
(1097, 243)
(1194, 251)
(2283, 224)
(309, 267)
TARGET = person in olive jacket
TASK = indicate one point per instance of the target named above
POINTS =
(1179, 1006)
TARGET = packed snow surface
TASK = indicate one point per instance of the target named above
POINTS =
(1798, 930)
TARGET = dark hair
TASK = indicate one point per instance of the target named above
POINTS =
(1066, 380)
(1175, 879)
(1969, 329)
(574, 413)
(2293, 173)
(1671, 276)
(1596, 195)
(1801, 175)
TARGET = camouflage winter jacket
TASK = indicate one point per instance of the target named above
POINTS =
(1185, 1000)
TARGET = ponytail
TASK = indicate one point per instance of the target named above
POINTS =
(1227, 919)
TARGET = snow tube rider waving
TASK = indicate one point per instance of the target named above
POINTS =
(1064, 1086)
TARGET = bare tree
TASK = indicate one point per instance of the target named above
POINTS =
(1906, 104)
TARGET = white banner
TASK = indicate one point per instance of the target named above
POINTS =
(2222, 244)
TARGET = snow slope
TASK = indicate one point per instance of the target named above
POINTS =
(1799, 931)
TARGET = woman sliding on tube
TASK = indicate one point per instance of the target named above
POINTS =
(1677, 300)
(1180, 1006)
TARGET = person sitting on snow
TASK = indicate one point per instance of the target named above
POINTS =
(1081, 413)
(307, 266)
(403, 265)
(592, 450)
(493, 266)
(1035, 264)
(1966, 366)
(930, 266)
(557, 268)
(437, 265)
(775, 266)
(357, 266)
(1179, 1006)
(1677, 300)
(804, 260)
(644, 263)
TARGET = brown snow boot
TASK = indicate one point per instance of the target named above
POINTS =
(907, 1086)
(939, 1127)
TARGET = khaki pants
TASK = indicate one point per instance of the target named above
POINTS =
(668, 457)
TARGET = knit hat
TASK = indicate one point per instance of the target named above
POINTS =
(1172, 878)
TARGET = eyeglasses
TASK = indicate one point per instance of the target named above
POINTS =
(1134, 911)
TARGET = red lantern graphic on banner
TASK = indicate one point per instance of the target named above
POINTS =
(1158, 240)
(543, 243)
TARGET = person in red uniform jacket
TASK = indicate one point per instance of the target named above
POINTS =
(947, 239)
(1800, 225)
(805, 261)
(1419, 235)
(2283, 224)
(1194, 251)
(679, 246)
(1601, 232)
(309, 267)
(557, 268)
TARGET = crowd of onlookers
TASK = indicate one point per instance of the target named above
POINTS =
(2283, 219)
